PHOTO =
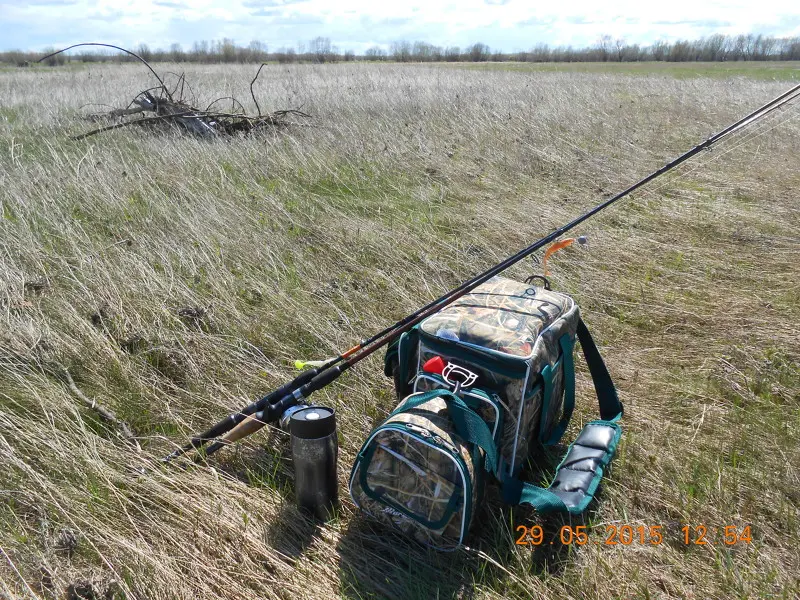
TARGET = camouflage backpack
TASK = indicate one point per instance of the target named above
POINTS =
(484, 382)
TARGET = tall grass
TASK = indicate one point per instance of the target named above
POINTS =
(297, 244)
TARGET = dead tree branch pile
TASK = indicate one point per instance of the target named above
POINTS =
(158, 107)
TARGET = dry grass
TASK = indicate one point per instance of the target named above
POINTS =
(297, 245)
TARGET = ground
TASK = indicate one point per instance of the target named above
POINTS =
(176, 279)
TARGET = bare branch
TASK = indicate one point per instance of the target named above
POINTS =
(127, 123)
(252, 93)
(105, 413)
(136, 56)
(205, 123)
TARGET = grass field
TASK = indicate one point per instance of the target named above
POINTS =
(768, 70)
(298, 244)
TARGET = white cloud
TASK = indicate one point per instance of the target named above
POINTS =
(356, 24)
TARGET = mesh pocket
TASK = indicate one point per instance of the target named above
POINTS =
(554, 403)
(416, 474)
(415, 477)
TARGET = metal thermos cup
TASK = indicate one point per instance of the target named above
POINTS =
(314, 453)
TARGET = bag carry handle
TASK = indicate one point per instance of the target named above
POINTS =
(579, 473)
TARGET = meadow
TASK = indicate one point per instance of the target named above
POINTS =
(173, 280)
(767, 70)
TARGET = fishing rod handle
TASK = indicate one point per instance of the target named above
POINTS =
(270, 398)
(252, 423)
(234, 419)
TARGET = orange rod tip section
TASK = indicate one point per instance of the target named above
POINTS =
(352, 351)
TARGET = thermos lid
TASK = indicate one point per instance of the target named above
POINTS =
(312, 422)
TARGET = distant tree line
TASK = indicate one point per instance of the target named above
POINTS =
(716, 47)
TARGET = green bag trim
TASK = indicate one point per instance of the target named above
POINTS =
(544, 500)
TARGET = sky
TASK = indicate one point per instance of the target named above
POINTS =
(505, 25)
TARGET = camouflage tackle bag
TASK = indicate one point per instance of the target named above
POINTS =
(485, 382)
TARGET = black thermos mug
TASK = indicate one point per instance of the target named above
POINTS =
(314, 453)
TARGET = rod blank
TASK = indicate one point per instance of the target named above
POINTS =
(235, 426)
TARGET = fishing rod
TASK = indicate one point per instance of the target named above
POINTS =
(269, 408)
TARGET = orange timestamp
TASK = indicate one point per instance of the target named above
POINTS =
(625, 535)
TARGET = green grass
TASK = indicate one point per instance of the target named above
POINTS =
(298, 244)
(769, 70)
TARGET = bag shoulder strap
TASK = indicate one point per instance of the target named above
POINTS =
(579, 473)
(610, 407)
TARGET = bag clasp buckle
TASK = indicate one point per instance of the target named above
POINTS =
(458, 376)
